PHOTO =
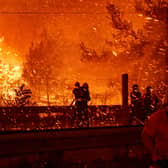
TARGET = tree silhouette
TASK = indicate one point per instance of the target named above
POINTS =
(144, 51)
(151, 66)
(156, 12)
(90, 55)
(42, 65)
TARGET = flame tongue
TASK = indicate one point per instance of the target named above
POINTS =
(10, 74)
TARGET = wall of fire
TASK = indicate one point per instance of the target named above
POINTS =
(50, 44)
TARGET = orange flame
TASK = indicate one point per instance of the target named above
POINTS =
(10, 74)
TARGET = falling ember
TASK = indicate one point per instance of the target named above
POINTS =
(94, 28)
(114, 53)
(148, 18)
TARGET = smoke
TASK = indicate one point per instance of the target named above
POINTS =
(90, 25)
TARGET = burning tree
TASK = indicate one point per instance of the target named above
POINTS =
(91, 55)
(10, 79)
(144, 50)
(156, 27)
(42, 65)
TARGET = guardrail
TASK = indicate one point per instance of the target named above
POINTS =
(54, 144)
(26, 135)
(57, 117)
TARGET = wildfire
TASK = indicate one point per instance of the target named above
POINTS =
(10, 75)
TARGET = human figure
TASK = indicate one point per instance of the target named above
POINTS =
(150, 101)
(78, 94)
(155, 136)
(136, 102)
(86, 98)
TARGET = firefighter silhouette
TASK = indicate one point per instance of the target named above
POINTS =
(78, 94)
(150, 101)
(82, 97)
(86, 98)
(136, 101)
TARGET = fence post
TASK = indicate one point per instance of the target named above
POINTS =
(125, 110)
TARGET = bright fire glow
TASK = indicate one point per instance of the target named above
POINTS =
(10, 76)
(91, 25)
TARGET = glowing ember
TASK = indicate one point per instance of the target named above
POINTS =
(94, 28)
(114, 53)
(148, 18)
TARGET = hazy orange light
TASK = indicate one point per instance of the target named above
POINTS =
(2, 39)
(140, 15)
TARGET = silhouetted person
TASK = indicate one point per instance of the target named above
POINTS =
(136, 102)
(86, 98)
(76, 91)
(155, 136)
(150, 101)
(78, 94)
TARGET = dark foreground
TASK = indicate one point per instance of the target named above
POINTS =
(45, 137)
(77, 148)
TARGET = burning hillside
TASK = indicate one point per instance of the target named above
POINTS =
(10, 76)
(85, 41)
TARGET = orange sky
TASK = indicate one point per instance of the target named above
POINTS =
(71, 21)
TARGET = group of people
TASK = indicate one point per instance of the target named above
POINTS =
(155, 137)
(143, 105)
(81, 98)
(155, 130)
